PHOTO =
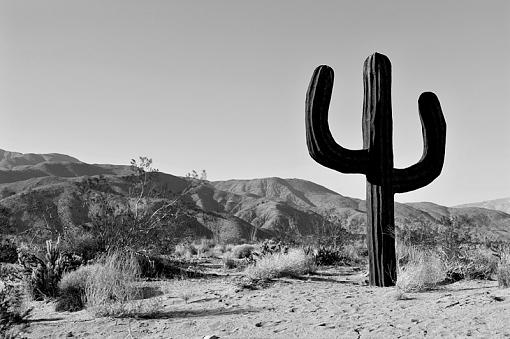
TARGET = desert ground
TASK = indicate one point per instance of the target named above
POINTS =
(333, 303)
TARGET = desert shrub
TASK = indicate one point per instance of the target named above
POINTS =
(470, 263)
(351, 253)
(229, 262)
(327, 255)
(8, 251)
(111, 286)
(480, 264)
(504, 270)
(83, 244)
(156, 266)
(421, 270)
(242, 251)
(12, 305)
(72, 288)
(293, 263)
(347, 254)
(270, 246)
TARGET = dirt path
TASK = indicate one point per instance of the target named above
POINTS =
(335, 304)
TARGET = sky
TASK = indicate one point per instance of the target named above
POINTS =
(220, 85)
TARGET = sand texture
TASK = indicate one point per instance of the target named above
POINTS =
(335, 303)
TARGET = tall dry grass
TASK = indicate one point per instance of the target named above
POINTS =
(111, 287)
(293, 263)
(419, 269)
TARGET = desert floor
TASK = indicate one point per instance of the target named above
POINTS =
(335, 303)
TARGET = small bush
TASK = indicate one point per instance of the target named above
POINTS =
(229, 262)
(470, 263)
(293, 263)
(8, 251)
(72, 289)
(12, 305)
(112, 285)
(270, 246)
(83, 244)
(325, 256)
(242, 251)
(423, 270)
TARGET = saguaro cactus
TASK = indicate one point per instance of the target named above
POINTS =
(375, 160)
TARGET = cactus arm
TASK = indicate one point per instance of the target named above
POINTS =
(434, 140)
(321, 144)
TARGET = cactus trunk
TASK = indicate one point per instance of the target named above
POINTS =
(377, 137)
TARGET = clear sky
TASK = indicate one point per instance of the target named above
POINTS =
(220, 85)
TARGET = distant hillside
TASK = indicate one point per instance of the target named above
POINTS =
(232, 209)
(497, 204)
(15, 160)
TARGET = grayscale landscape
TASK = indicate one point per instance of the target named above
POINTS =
(234, 169)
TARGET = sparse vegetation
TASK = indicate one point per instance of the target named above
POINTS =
(13, 309)
(242, 251)
(112, 285)
(8, 250)
(72, 288)
(42, 275)
(419, 269)
(293, 263)
(228, 262)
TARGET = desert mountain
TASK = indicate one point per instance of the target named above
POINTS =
(502, 205)
(15, 160)
(231, 210)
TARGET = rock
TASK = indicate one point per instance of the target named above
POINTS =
(211, 337)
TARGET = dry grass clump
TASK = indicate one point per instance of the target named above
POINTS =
(504, 270)
(293, 263)
(72, 288)
(112, 285)
(421, 270)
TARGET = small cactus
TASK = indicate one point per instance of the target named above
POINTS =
(43, 275)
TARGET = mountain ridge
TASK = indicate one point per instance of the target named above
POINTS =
(238, 207)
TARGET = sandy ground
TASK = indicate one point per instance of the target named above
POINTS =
(334, 304)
